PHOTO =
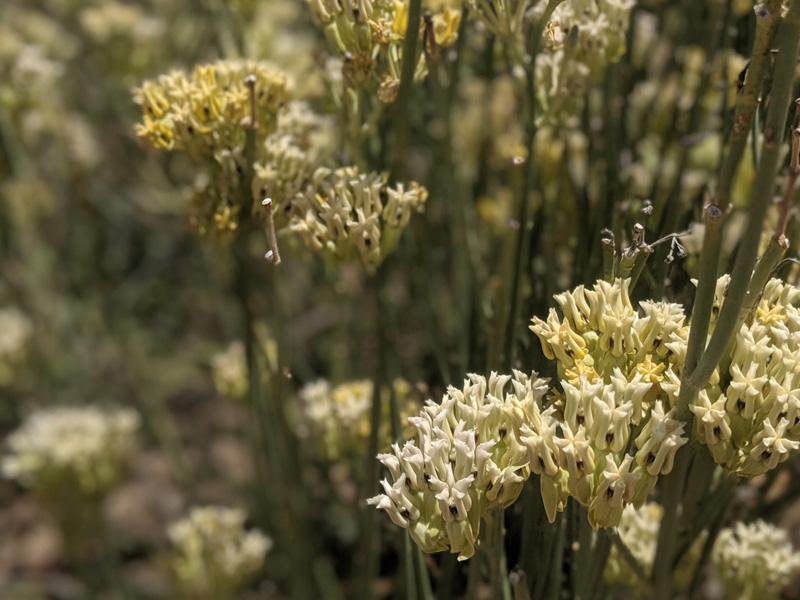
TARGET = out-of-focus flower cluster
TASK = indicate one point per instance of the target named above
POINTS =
(756, 560)
(15, 331)
(341, 213)
(83, 450)
(751, 421)
(203, 112)
(213, 555)
(368, 36)
(579, 41)
(467, 458)
(639, 531)
(229, 372)
(336, 419)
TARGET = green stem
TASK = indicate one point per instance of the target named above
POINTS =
(522, 253)
(788, 43)
(673, 487)
(627, 555)
(401, 111)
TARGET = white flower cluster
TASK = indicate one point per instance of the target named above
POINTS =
(601, 332)
(71, 448)
(468, 458)
(213, 555)
(752, 422)
(581, 38)
(756, 561)
(639, 531)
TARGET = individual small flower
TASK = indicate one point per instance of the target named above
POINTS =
(77, 450)
(755, 560)
(229, 371)
(467, 459)
(213, 556)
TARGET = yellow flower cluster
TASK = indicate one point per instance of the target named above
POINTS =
(340, 213)
(202, 112)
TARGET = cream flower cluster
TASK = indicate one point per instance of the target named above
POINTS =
(213, 556)
(340, 213)
(580, 446)
(337, 418)
(581, 38)
(751, 422)
(85, 449)
(467, 459)
(368, 35)
(344, 214)
(639, 531)
(756, 560)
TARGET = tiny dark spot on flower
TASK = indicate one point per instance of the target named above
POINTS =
(489, 486)
(405, 514)
(502, 432)
(609, 493)
(650, 459)
(579, 464)
(453, 511)
(717, 431)
(580, 419)
(609, 438)
(766, 455)
(740, 405)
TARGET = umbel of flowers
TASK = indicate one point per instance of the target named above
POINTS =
(751, 420)
(336, 418)
(368, 35)
(213, 555)
(755, 560)
(610, 431)
(82, 451)
(234, 118)
(639, 529)
(467, 459)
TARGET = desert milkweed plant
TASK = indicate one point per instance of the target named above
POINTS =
(424, 299)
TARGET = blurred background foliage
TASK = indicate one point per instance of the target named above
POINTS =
(107, 297)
